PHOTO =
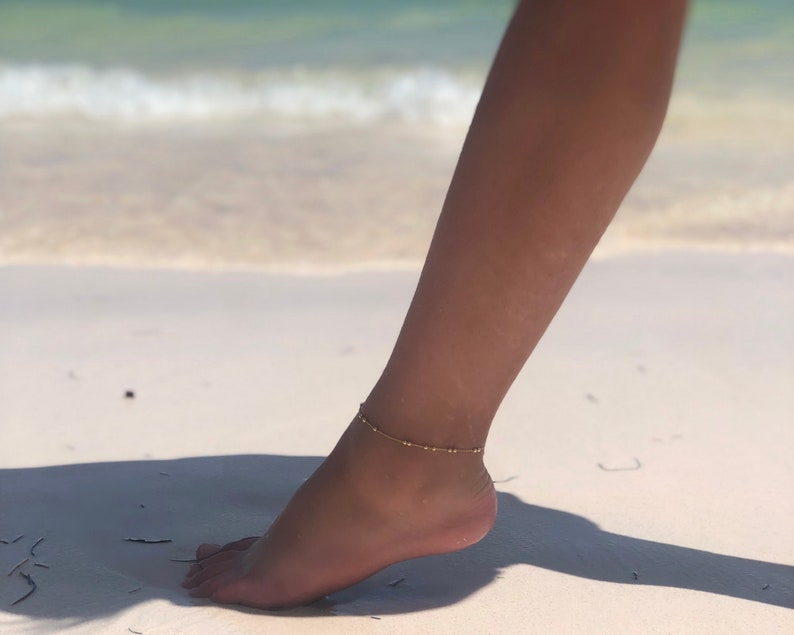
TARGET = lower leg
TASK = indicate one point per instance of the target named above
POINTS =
(568, 116)
(571, 110)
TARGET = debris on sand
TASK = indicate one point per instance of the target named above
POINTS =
(32, 586)
(35, 544)
(17, 565)
(637, 465)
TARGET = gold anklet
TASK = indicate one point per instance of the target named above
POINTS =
(363, 419)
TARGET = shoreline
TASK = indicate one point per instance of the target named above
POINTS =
(614, 252)
(347, 199)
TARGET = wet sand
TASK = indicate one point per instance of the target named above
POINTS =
(238, 195)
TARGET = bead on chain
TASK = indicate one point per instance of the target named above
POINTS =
(410, 444)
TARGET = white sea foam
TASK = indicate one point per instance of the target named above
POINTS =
(44, 91)
(424, 95)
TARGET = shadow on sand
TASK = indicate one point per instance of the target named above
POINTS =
(84, 511)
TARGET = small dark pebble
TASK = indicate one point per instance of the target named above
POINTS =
(142, 506)
(374, 617)
(129, 394)
(591, 398)
(765, 587)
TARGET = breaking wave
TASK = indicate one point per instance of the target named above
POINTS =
(425, 95)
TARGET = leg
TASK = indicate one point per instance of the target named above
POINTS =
(568, 116)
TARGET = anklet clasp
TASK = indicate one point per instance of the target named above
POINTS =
(433, 448)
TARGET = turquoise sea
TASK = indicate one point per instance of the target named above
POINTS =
(285, 133)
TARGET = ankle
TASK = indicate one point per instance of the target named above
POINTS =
(361, 417)
(376, 464)
(431, 424)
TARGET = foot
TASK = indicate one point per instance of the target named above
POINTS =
(370, 504)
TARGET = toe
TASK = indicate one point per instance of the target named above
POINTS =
(209, 587)
(240, 545)
(209, 549)
(206, 550)
(228, 593)
(218, 564)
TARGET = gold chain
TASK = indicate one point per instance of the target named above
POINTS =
(363, 419)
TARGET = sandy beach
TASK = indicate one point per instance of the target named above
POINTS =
(212, 219)
(643, 457)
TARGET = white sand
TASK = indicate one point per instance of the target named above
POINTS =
(683, 362)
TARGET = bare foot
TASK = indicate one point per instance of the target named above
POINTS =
(370, 504)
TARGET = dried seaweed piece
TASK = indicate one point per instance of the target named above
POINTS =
(191, 560)
(137, 588)
(136, 632)
(35, 544)
(147, 541)
(32, 586)
(637, 465)
(129, 394)
(17, 565)
(18, 538)
(41, 564)
(394, 583)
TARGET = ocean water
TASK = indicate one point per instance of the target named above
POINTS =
(309, 133)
